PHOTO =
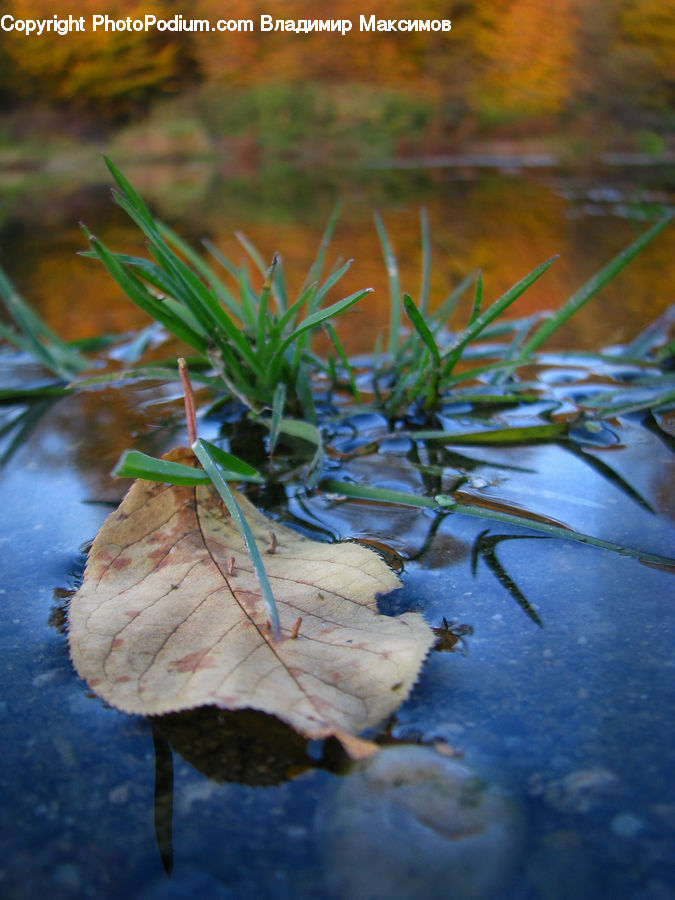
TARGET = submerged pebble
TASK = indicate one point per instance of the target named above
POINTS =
(411, 823)
(626, 825)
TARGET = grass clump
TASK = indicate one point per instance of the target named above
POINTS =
(255, 347)
(422, 367)
(258, 344)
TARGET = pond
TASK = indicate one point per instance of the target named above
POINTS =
(555, 686)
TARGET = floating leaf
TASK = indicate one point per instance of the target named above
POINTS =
(170, 616)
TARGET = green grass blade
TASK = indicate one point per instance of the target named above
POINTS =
(310, 433)
(497, 308)
(471, 374)
(134, 464)
(185, 284)
(379, 495)
(182, 312)
(315, 270)
(394, 286)
(146, 224)
(278, 404)
(648, 340)
(421, 328)
(232, 467)
(249, 298)
(332, 280)
(137, 292)
(521, 332)
(591, 288)
(12, 396)
(147, 373)
(262, 307)
(444, 311)
(252, 251)
(149, 270)
(657, 399)
(340, 350)
(449, 504)
(36, 337)
(191, 289)
(550, 432)
(220, 257)
(311, 322)
(279, 285)
(318, 295)
(292, 313)
(204, 456)
(260, 264)
(665, 352)
(477, 298)
(558, 531)
(425, 282)
(128, 191)
(303, 389)
(205, 270)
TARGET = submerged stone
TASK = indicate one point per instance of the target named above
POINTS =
(409, 823)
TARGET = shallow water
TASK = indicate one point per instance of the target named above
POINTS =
(571, 717)
(503, 223)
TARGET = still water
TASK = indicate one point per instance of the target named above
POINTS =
(561, 705)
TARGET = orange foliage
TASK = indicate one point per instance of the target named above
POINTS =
(526, 47)
(503, 59)
(405, 58)
(110, 73)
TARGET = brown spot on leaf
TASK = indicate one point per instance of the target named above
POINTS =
(156, 555)
(199, 659)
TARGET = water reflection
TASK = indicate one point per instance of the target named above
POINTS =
(505, 225)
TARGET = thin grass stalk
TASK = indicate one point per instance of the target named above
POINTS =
(316, 268)
(477, 298)
(260, 264)
(202, 453)
(221, 289)
(134, 288)
(425, 281)
(340, 350)
(262, 309)
(446, 503)
(591, 288)
(394, 286)
(497, 308)
(440, 317)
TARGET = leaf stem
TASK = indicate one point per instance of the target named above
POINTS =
(189, 396)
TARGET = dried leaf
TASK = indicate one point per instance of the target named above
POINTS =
(170, 616)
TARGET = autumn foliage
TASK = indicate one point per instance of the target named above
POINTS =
(503, 59)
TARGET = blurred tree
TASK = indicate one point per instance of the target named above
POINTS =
(625, 59)
(111, 74)
(524, 49)
(401, 58)
(503, 60)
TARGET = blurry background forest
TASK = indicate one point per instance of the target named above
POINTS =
(533, 127)
(596, 71)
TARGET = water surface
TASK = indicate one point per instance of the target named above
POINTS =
(567, 706)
